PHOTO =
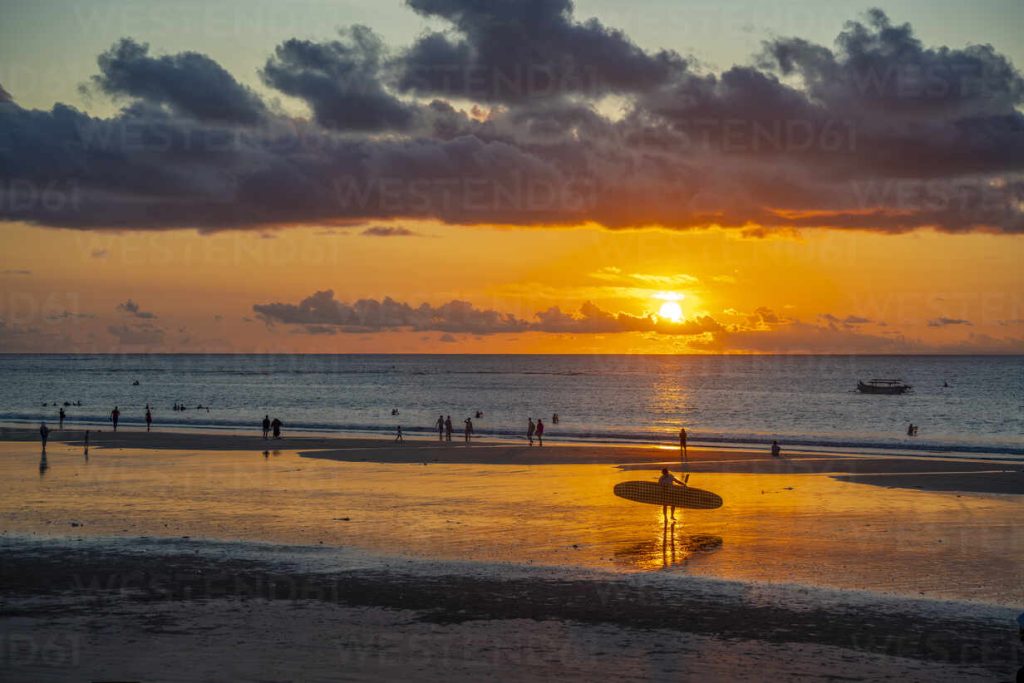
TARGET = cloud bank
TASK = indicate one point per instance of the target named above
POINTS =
(498, 119)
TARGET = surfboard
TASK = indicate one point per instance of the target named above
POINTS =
(658, 494)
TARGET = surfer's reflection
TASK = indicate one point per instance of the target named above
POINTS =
(43, 466)
(674, 548)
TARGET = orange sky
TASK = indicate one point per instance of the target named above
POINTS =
(917, 292)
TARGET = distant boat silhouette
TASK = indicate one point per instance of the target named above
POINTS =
(883, 386)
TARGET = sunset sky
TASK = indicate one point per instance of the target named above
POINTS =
(498, 176)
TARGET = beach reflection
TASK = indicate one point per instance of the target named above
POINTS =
(673, 547)
(800, 528)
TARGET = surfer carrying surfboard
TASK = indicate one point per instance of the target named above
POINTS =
(666, 479)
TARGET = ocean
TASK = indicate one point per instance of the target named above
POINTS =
(964, 405)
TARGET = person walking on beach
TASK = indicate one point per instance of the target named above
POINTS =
(398, 435)
(469, 429)
(682, 442)
(540, 432)
(44, 434)
(530, 429)
(776, 450)
(266, 426)
(149, 418)
(86, 453)
(276, 426)
(61, 415)
(666, 479)
(448, 428)
(115, 414)
(440, 427)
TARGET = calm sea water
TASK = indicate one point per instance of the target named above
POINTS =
(806, 401)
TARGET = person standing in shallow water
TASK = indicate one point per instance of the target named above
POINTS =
(149, 418)
(448, 428)
(276, 426)
(115, 414)
(540, 432)
(682, 442)
(530, 429)
(469, 429)
(440, 427)
(266, 426)
(61, 415)
(776, 449)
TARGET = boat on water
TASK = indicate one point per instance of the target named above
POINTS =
(883, 386)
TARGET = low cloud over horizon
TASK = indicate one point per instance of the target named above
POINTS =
(505, 117)
(764, 331)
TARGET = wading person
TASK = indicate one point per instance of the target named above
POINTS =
(666, 479)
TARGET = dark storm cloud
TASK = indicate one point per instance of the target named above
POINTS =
(506, 50)
(188, 83)
(340, 81)
(878, 133)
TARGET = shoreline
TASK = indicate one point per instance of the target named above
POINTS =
(923, 472)
(793, 443)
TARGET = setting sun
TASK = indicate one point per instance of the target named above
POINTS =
(670, 310)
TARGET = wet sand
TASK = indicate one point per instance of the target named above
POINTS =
(451, 561)
(185, 611)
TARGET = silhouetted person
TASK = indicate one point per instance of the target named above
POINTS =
(115, 414)
(440, 427)
(554, 418)
(910, 429)
(266, 426)
(61, 415)
(469, 428)
(530, 429)
(776, 450)
(448, 428)
(86, 453)
(276, 426)
(682, 442)
(666, 479)
(398, 434)
(540, 432)
(44, 434)
(149, 419)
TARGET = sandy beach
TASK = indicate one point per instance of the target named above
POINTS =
(300, 558)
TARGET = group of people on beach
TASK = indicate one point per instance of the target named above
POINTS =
(535, 430)
(444, 428)
(271, 426)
